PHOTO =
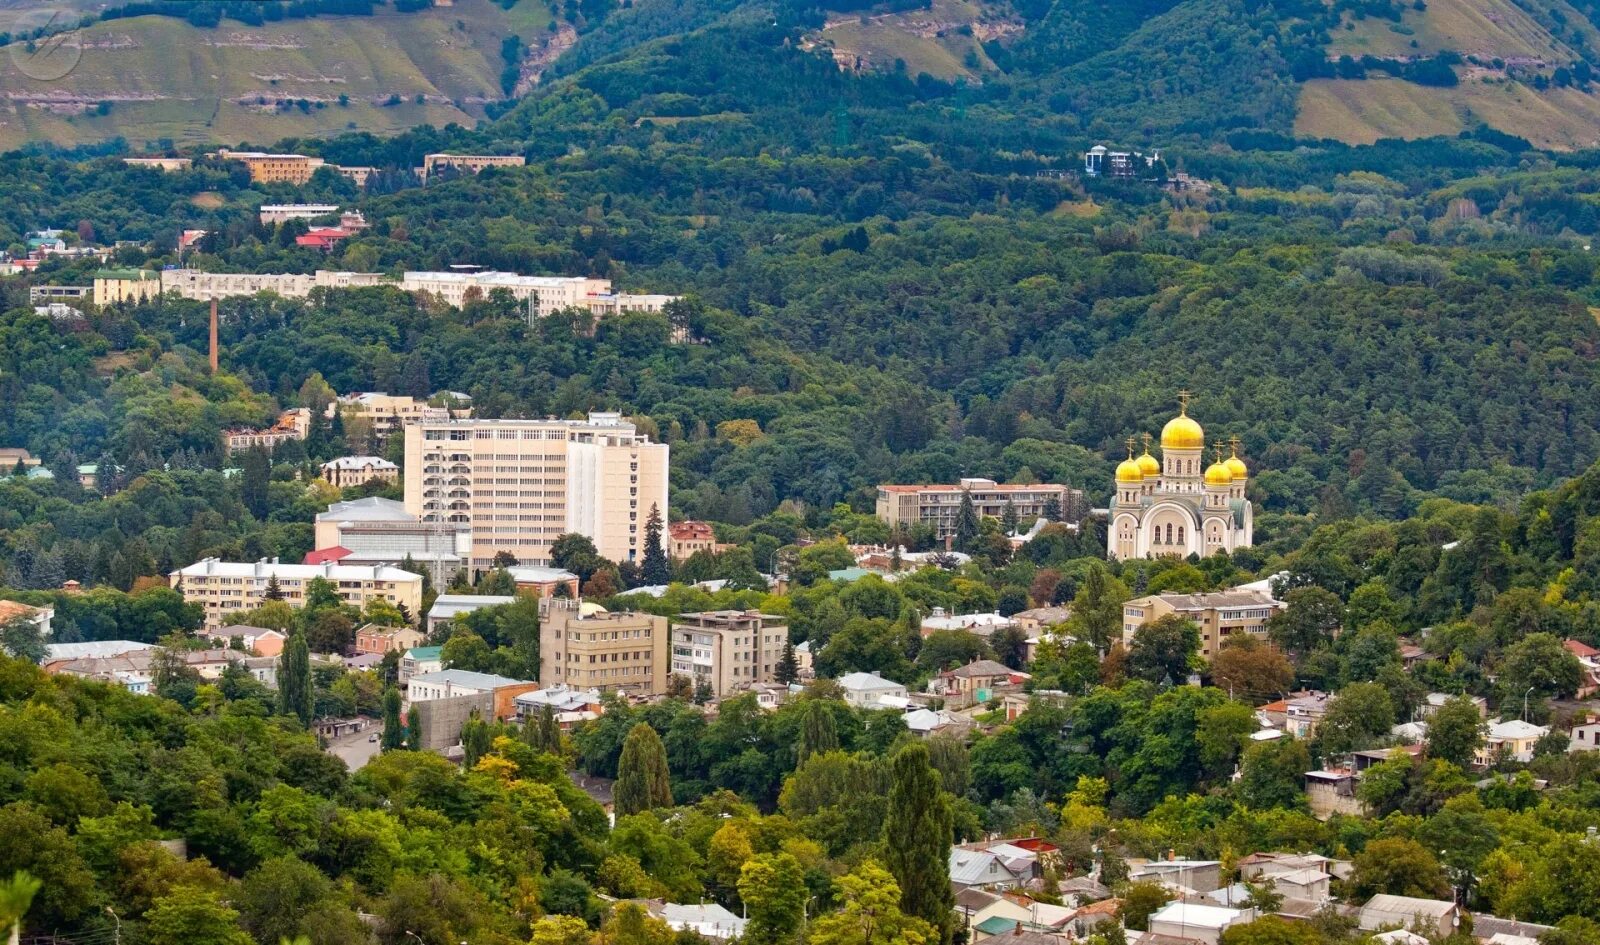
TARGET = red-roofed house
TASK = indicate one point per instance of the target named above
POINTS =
(1589, 657)
(324, 555)
(686, 538)
(324, 238)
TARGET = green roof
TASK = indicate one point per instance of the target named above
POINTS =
(848, 574)
(424, 652)
(998, 924)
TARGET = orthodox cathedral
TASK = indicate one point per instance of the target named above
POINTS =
(1177, 505)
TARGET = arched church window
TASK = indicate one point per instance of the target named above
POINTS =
(1180, 534)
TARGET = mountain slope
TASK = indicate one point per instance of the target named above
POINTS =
(165, 79)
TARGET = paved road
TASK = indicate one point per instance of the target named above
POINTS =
(355, 750)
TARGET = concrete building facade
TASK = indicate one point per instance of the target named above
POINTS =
(584, 646)
(938, 505)
(520, 484)
(472, 163)
(377, 530)
(729, 650)
(223, 588)
(125, 285)
(1220, 615)
(349, 471)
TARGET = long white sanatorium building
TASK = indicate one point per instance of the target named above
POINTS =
(520, 484)
(223, 588)
(1177, 505)
(549, 294)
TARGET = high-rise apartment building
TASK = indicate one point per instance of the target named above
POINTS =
(728, 649)
(520, 484)
(584, 646)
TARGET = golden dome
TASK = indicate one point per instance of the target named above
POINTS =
(1128, 471)
(1149, 465)
(1182, 433)
(1236, 467)
(1217, 474)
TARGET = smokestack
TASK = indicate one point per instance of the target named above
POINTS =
(213, 336)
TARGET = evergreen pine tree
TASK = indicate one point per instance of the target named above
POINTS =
(255, 472)
(818, 733)
(643, 781)
(273, 591)
(549, 730)
(966, 523)
(917, 833)
(394, 735)
(1052, 509)
(295, 695)
(788, 668)
(414, 730)
(657, 569)
(1009, 519)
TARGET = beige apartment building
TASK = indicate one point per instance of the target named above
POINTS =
(1220, 615)
(125, 285)
(224, 588)
(380, 416)
(938, 505)
(275, 168)
(520, 484)
(349, 471)
(730, 650)
(467, 162)
(584, 646)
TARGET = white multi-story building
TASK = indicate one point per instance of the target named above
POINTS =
(206, 286)
(548, 294)
(272, 213)
(223, 588)
(728, 650)
(520, 484)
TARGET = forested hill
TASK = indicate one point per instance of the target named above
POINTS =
(1146, 72)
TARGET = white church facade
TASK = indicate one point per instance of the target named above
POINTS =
(1178, 505)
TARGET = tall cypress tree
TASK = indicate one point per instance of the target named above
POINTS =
(966, 523)
(917, 833)
(643, 781)
(817, 730)
(295, 696)
(788, 668)
(476, 740)
(656, 569)
(414, 729)
(394, 734)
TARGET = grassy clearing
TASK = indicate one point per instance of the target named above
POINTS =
(1487, 28)
(167, 79)
(1362, 111)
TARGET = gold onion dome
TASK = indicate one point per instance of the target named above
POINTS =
(1128, 471)
(1149, 465)
(1218, 474)
(1236, 466)
(1182, 433)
